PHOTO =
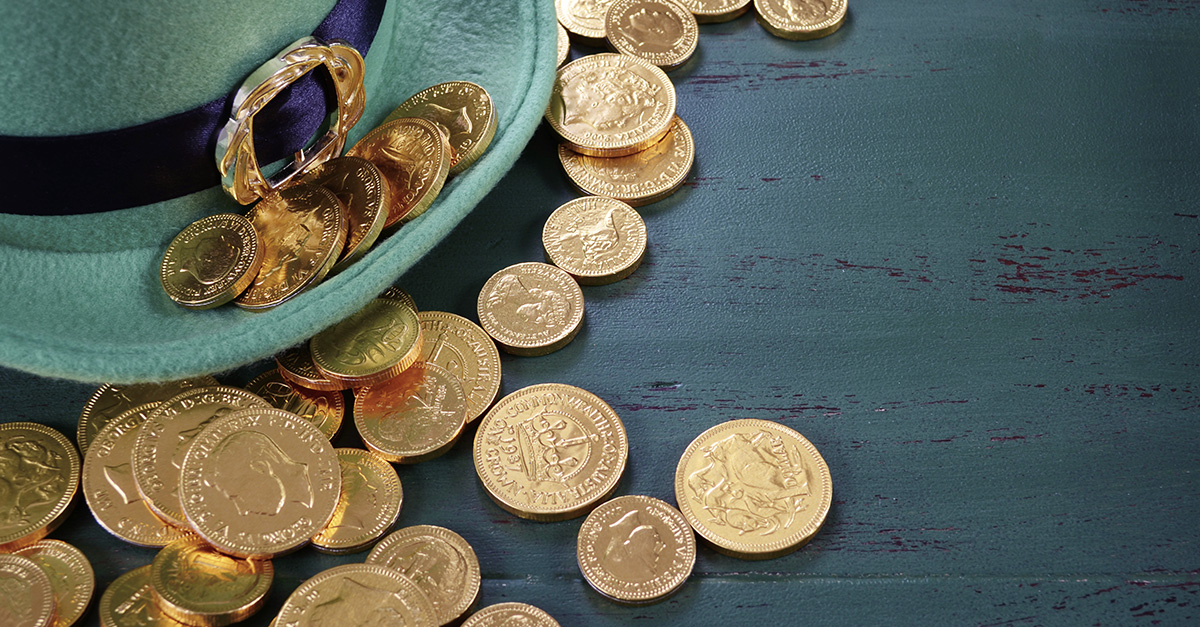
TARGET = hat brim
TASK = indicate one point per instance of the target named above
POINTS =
(80, 296)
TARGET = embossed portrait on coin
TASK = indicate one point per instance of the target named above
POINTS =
(360, 605)
(595, 234)
(536, 308)
(295, 231)
(210, 578)
(210, 256)
(588, 10)
(432, 562)
(186, 436)
(751, 482)
(607, 100)
(359, 510)
(553, 447)
(652, 30)
(405, 166)
(258, 477)
(16, 601)
(633, 548)
(31, 477)
(805, 11)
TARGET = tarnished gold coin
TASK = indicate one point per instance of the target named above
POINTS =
(463, 109)
(41, 471)
(211, 261)
(439, 561)
(374, 344)
(583, 18)
(713, 11)
(303, 230)
(357, 594)
(564, 45)
(412, 417)
(325, 410)
(467, 352)
(753, 488)
(659, 31)
(397, 294)
(28, 599)
(195, 584)
(360, 188)
(801, 19)
(72, 579)
(531, 308)
(368, 506)
(259, 483)
(129, 602)
(414, 158)
(296, 365)
(636, 549)
(112, 400)
(505, 614)
(638, 179)
(161, 442)
(596, 239)
(550, 451)
(611, 105)
(111, 491)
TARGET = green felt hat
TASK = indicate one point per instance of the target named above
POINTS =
(79, 294)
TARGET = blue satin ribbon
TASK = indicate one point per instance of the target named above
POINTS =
(172, 156)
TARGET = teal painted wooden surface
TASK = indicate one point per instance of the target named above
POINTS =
(955, 246)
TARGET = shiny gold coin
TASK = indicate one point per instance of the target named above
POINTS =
(161, 442)
(41, 472)
(303, 231)
(461, 108)
(583, 18)
(111, 491)
(467, 352)
(360, 188)
(112, 400)
(800, 19)
(296, 365)
(357, 594)
(531, 308)
(211, 261)
(638, 179)
(129, 602)
(755, 489)
(713, 11)
(550, 451)
(195, 584)
(596, 239)
(28, 596)
(564, 45)
(414, 416)
(611, 105)
(374, 344)
(505, 614)
(397, 294)
(368, 506)
(259, 483)
(439, 561)
(72, 579)
(413, 157)
(659, 31)
(636, 549)
(325, 410)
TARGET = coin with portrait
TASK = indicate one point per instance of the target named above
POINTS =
(531, 308)
(211, 261)
(636, 549)
(800, 19)
(414, 158)
(71, 577)
(195, 584)
(638, 179)
(368, 505)
(596, 239)
(357, 594)
(439, 561)
(111, 400)
(506, 614)
(583, 18)
(462, 109)
(659, 31)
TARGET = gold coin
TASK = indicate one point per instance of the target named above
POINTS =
(359, 186)
(583, 18)
(368, 505)
(259, 483)
(753, 488)
(439, 561)
(531, 308)
(504, 614)
(195, 584)
(463, 348)
(161, 442)
(414, 158)
(374, 344)
(41, 468)
(463, 110)
(28, 595)
(325, 410)
(713, 11)
(303, 231)
(800, 19)
(414, 416)
(596, 239)
(397, 294)
(638, 179)
(211, 261)
(129, 602)
(659, 31)
(611, 105)
(111, 491)
(72, 579)
(357, 594)
(564, 45)
(112, 400)
(636, 549)
(296, 365)
(550, 451)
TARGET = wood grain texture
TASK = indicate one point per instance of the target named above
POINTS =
(954, 246)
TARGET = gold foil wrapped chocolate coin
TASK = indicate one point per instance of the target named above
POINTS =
(72, 579)
(713, 11)
(412, 417)
(357, 594)
(45, 466)
(364, 195)
(801, 19)
(636, 549)
(662, 32)
(374, 344)
(368, 506)
(325, 410)
(505, 614)
(439, 561)
(596, 239)
(211, 261)
(463, 110)
(467, 352)
(129, 602)
(296, 365)
(414, 158)
(583, 18)
(29, 598)
(531, 308)
(195, 584)
(638, 179)
(564, 45)
(112, 400)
